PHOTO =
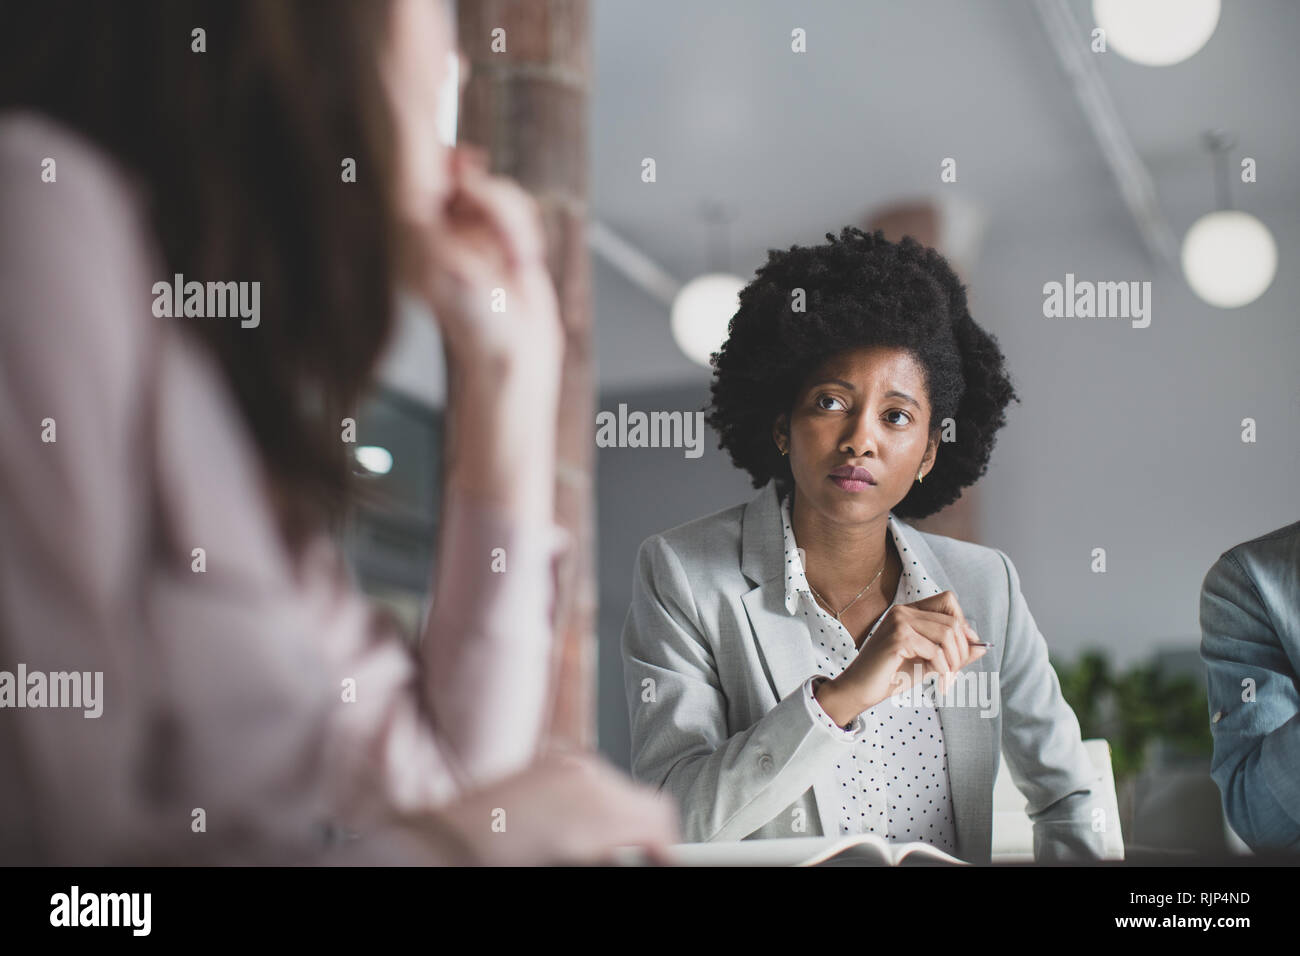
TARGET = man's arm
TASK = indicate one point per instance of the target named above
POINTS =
(1254, 710)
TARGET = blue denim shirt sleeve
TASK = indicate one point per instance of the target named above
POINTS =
(1254, 707)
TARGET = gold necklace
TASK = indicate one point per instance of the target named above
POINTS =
(855, 600)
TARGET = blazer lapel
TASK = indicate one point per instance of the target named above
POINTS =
(782, 639)
(968, 738)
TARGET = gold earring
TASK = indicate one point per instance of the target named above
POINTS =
(918, 475)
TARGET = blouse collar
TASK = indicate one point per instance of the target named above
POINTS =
(916, 581)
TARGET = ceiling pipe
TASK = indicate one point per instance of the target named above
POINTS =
(637, 267)
(1068, 40)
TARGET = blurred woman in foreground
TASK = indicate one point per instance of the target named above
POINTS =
(250, 698)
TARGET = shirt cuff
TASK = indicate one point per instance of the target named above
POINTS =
(850, 733)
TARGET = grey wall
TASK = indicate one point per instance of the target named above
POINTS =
(1130, 439)
(641, 491)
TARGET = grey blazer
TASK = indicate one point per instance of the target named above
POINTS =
(713, 665)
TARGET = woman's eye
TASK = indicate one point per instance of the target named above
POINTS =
(899, 411)
(827, 398)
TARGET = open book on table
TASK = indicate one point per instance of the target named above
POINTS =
(866, 849)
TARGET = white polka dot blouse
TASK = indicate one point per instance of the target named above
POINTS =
(894, 780)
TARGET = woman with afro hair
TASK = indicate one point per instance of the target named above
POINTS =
(809, 662)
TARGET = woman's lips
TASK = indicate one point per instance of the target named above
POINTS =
(848, 484)
(852, 478)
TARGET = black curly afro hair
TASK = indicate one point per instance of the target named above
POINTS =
(859, 291)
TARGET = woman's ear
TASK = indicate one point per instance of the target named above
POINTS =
(931, 453)
(781, 432)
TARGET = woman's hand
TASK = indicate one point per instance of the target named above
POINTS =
(566, 808)
(913, 641)
(480, 265)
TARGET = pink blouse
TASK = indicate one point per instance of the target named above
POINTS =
(245, 705)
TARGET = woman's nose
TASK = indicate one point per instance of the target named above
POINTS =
(861, 438)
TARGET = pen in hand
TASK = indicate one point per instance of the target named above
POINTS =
(971, 632)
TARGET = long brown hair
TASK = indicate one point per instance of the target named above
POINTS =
(241, 148)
